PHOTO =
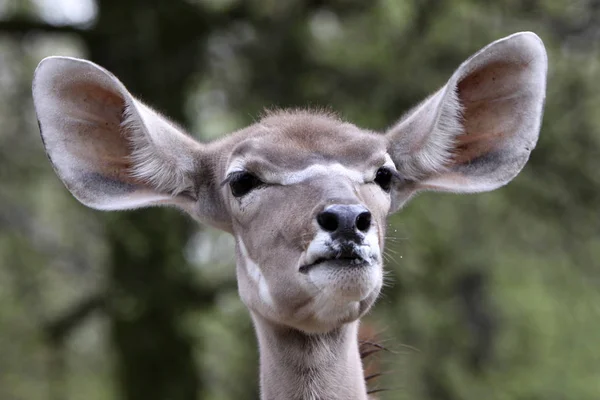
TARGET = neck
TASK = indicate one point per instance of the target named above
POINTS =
(299, 366)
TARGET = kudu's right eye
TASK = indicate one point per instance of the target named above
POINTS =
(242, 183)
(383, 178)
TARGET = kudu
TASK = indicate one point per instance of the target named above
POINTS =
(304, 193)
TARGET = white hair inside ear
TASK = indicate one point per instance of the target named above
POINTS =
(476, 133)
(160, 154)
(109, 149)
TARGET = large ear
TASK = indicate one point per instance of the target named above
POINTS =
(475, 134)
(110, 150)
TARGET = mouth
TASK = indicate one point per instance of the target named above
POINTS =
(345, 257)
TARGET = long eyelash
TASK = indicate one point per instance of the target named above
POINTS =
(225, 182)
(401, 179)
(396, 174)
(232, 177)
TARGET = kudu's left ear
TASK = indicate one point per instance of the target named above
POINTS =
(476, 133)
(110, 150)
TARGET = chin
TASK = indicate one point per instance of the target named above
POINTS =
(340, 284)
(344, 293)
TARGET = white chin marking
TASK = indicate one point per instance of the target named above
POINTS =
(256, 275)
(322, 243)
(342, 294)
(371, 246)
(341, 287)
(340, 283)
(317, 247)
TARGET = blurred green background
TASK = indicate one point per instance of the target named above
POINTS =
(490, 296)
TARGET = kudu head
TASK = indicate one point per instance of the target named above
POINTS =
(305, 194)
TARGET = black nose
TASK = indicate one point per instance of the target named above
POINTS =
(345, 221)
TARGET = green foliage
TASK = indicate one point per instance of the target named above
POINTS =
(490, 296)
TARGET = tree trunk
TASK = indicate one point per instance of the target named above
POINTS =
(154, 50)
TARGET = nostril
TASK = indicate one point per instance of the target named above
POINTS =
(363, 221)
(328, 221)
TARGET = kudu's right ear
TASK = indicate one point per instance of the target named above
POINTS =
(476, 133)
(111, 151)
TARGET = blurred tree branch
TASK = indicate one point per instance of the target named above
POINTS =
(25, 26)
(60, 327)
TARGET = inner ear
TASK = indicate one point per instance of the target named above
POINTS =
(110, 150)
(476, 133)
(488, 96)
(100, 137)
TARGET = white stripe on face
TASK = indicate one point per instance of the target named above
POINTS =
(256, 275)
(290, 178)
(293, 177)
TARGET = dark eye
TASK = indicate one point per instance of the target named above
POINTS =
(242, 183)
(383, 178)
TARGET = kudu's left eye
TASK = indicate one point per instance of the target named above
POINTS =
(242, 183)
(383, 178)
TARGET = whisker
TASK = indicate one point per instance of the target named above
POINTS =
(395, 239)
(373, 376)
(366, 354)
(371, 391)
(387, 283)
(390, 257)
(407, 346)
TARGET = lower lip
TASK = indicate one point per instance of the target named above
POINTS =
(341, 263)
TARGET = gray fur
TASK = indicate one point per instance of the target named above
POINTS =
(474, 134)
